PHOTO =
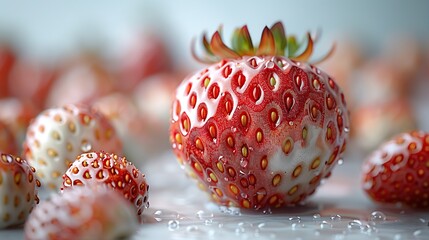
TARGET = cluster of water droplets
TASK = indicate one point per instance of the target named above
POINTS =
(228, 222)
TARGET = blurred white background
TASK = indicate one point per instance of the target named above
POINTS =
(54, 28)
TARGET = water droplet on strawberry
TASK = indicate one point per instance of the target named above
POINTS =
(244, 163)
(270, 64)
(86, 147)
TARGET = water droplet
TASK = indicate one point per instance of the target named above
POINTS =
(354, 225)
(368, 229)
(201, 214)
(340, 161)
(336, 218)
(397, 236)
(161, 215)
(295, 219)
(208, 221)
(297, 225)
(325, 225)
(267, 211)
(273, 225)
(377, 217)
(244, 195)
(270, 64)
(346, 129)
(192, 228)
(173, 225)
(290, 123)
(86, 147)
(316, 217)
(244, 163)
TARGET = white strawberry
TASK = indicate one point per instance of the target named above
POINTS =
(58, 135)
(82, 213)
(18, 190)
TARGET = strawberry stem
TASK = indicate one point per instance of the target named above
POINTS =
(273, 42)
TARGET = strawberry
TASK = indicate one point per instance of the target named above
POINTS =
(143, 55)
(82, 80)
(7, 61)
(82, 213)
(35, 90)
(16, 114)
(114, 171)
(257, 129)
(58, 135)
(397, 172)
(18, 190)
(374, 123)
(7, 140)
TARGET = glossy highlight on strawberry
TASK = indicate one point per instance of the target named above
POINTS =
(258, 129)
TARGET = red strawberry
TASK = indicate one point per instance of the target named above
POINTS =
(397, 172)
(373, 124)
(83, 80)
(114, 171)
(82, 213)
(58, 135)
(7, 61)
(31, 81)
(143, 55)
(7, 140)
(16, 114)
(258, 129)
(18, 190)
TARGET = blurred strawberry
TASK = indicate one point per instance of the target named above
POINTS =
(30, 80)
(18, 190)
(143, 55)
(7, 61)
(16, 114)
(343, 63)
(7, 140)
(57, 135)
(124, 115)
(153, 98)
(403, 53)
(82, 80)
(378, 82)
(373, 124)
(82, 213)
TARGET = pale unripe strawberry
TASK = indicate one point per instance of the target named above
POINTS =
(58, 135)
(18, 190)
(82, 213)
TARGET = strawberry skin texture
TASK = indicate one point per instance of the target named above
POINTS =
(114, 171)
(259, 132)
(398, 172)
(82, 213)
(18, 190)
(57, 135)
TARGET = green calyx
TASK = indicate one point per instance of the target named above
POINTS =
(273, 42)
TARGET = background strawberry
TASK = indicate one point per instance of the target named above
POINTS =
(18, 190)
(7, 140)
(114, 171)
(82, 213)
(397, 172)
(257, 129)
(58, 135)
